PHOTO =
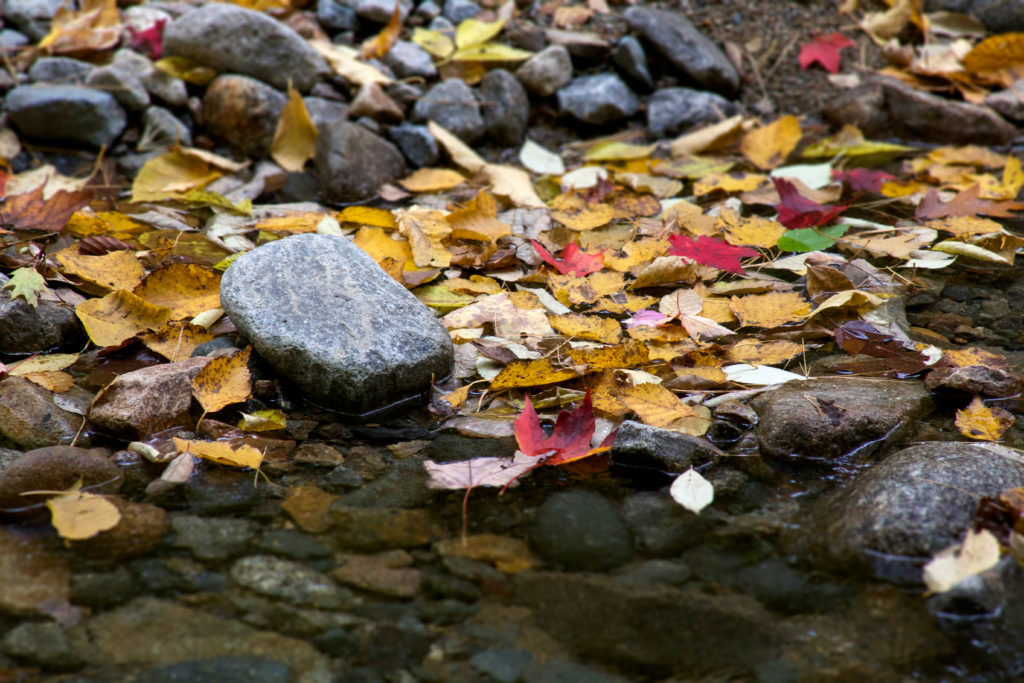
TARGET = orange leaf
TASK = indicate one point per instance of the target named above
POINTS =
(768, 147)
(29, 211)
(379, 45)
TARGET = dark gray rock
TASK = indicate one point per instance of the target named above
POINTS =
(458, 11)
(30, 419)
(686, 48)
(581, 530)
(290, 582)
(453, 105)
(323, 111)
(427, 10)
(59, 70)
(379, 11)
(547, 71)
(353, 162)
(336, 15)
(503, 665)
(102, 590)
(256, 45)
(365, 343)
(653, 630)
(662, 527)
(403, 485)
(417, 144)
(32, 17)
(223, 492)
(598, 100)
(409, 60)
(45, 644)
(844, 417)
(888, 108)
(161, 128)
(918, 501)
(998, 16)
(293, 544)
(66, 113)
(243, 112)
(671, 111)
(640, 445)
(631, 61)
(505, 106)
(126, 88)
(223, 668)
(212, 538)
(28, 329)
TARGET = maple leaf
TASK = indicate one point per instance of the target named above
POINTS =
(574, 261)
(965, 203)
(570, 439)
(824, 50)
(149, 40)
(712, 252)
(27, 283)
(797, 211)
(29, 211)
(863, 179)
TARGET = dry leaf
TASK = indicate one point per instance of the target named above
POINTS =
(768, 147)
(692, 491)
(119, 316)
(295, 137)
(223, 381)
(978, 552)
(432, 180)
(769, 310)
(186, 289)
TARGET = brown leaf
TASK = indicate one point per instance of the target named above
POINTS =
(29, 211)
(965, 203)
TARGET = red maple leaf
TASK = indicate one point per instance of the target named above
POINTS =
(863, 179)
(149, 40)
(797, 211)
(825, 51)
(709, 251)
(573, 261)
(570, 439)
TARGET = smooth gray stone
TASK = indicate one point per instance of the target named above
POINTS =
(453, 105)
(631, 61)
(160, 127)
(408, 59)
(379, 11)
(416, 143)
(59, 70)
(686, 48)
(671, 111)
(598, 100)
(460, 10)
(66, 113)
(547, 71)
(336, 15)
(581, 530)
(506, 107)
(330, 320)
(231, 38)
(353, 162)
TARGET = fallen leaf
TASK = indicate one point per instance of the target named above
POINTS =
(425, 229)
(119, 316)
(573, 260)
(27, 283)
(978, 552)
(221, 452)
(965, 203)
(150, 40)
(379, 45)
(540, 160)
(222, 381)
(769, 310)
(712, 252)
(176, 340)
(530, 373)
(654, 404)
(31, 211)
(978, 421)
(996, 53)
(77, 515)
(768, 146)
(692, 491)
(796, 211)
(824, 50)
(580, 326)
(432, 180)
(294, 141)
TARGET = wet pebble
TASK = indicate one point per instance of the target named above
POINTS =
(977, 380)
(644, 446)
(252, 669)
(547, 71)
(219, 491)
(141, 529)
(56, 468)
(257, 45)
(66, 113)
(35, 576)
(370, 344)
(291, 582)
(388, 574)
(292, 544)
(102, 590)
(370, 529)
(598, 100)
(30, 419)
(45, 644)
(503, 665)
(353, 162)
(581, 530)
(126, 408)
(212, 538)
(660, 526)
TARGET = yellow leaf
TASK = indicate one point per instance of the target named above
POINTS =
(295, 137)
(97, 26)
(223, 381)
(850, 142)
(345, 62)
(176, 340)
(425, 229)
(432, 180)
(769, 310)
(263, 421)
(768, 147)
(531, 373)
(727, 183)
(750, 231)
(221, 452)
(442, 298)
(367, 215)
(379, 45)
(513, 184)
(306, 221)
(185, 288)
(854, 299)
(392, 255)
(113, 270)
(474, 32)
(170, 175)
(187, 70)
(971, 251)
(575, 213)
(654, 404)
(119, 316)
(490, 52)
(477, 220)
(112, 223)
(996, 53)
(77, 515)
(972, 355)
(664, 271)
(636, 253)
(572, 290)
(50, 362)
(436, 43)
(628, 355)
(52, 381)
(709, 138)
(757, 352)
(969, 155)
(978, 421)
(618, 151)
(582, 326)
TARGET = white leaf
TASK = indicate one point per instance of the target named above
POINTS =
(583, 177)
(540, 160)
(814, 176)
(692, 491)
(465, 474)
(978, 552)
(760, 375)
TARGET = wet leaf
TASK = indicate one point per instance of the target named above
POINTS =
(432, 180)
(77, 515)
(221, 452)
(978, 552)
(119, 316)
(27, 283)
(770, 310)
(177, 340)
(33, 211)
(692, 491)
(995, 53)
(223, 381)
(978, 421)
(573, 260)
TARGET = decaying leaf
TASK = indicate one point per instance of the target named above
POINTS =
(223, 381)
(978, 421)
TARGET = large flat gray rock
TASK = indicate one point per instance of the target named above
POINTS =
(328, 319)
(231, 38)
